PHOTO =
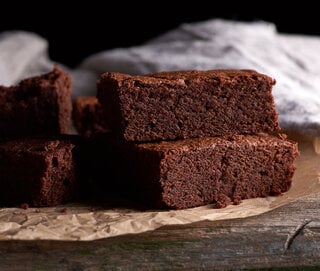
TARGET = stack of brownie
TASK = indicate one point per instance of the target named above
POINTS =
(37, 161)
(171, 139)
(189, 138)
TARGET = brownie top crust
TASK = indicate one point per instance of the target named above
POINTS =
(30, 145)
(180, 146)
(182, 78)
(222, 74)
(37, 145)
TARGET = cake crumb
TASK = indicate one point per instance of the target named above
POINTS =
(24, 206)
(63, 210)
(222, 201)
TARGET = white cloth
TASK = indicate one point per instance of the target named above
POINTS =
(293, 60)
(22, 55)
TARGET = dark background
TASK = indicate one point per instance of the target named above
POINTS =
(76, 32)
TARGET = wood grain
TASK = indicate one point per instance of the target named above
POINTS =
(287, 236)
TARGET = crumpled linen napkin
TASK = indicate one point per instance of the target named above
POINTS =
(22, 54)
(293, 60)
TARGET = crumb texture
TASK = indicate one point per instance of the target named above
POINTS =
(37, 105)
(188, 104)
(194, 172)
(38, 171)
(88, 117)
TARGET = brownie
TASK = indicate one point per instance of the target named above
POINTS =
(38, 171)
(87, 116)
(194, 172)
(188, 104)
(37, 105)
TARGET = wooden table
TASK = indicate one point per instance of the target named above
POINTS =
(285, 237)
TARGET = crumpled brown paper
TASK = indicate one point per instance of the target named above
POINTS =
(79, 222)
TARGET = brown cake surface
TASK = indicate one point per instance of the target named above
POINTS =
(87, 116)
(194, 172)
(188, 104)
(38, 171)
(37, 105)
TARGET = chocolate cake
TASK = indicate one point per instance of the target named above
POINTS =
(38, 171)
(194, 172)
(37, 105)
(88, 117)
(188, 104)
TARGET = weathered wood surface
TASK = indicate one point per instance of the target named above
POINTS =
(287, 236)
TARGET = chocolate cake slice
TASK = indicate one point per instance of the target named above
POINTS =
(39, 171)
(87, 116)
(188, 104)
(37, 105)
(194, 172)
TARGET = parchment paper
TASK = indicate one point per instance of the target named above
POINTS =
(80, 222)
